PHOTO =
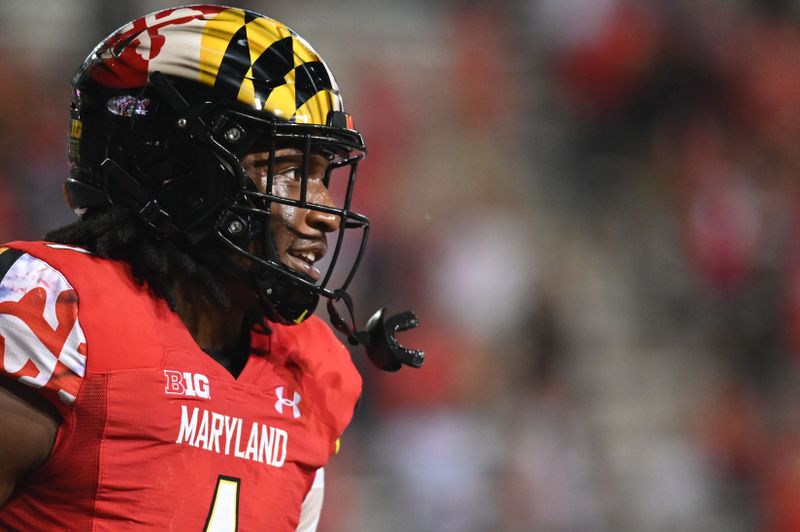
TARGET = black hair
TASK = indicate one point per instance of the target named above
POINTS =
(116, 233)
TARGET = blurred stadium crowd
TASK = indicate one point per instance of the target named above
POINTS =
(593, 205)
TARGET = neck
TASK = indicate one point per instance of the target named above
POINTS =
(214, 328)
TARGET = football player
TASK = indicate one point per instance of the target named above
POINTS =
(162, 367)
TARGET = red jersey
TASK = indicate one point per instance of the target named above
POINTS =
(155, 433)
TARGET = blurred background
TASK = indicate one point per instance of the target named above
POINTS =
(594, 207)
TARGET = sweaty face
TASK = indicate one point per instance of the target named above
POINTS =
(299, 234)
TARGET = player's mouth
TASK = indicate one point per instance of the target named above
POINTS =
(302, 259)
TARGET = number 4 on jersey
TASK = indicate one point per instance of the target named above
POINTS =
(224, 513)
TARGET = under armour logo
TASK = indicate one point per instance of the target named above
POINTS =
(281, 402)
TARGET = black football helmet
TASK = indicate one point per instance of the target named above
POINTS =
(164, 110)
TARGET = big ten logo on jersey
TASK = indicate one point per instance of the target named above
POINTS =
(187, 384)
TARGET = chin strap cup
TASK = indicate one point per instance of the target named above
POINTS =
(378, 337)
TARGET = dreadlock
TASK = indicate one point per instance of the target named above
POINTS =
(116, 233)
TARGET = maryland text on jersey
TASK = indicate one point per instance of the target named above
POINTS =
(232, 436)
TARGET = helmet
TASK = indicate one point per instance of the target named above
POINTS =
(165, 109)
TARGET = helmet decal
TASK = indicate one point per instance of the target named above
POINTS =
(242, 56)
(127, 105)
(133, 52)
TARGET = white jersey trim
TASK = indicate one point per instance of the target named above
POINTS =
(312, 505)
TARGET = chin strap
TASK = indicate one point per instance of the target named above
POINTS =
(378, 337)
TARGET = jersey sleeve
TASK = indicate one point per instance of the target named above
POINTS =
(41, 341)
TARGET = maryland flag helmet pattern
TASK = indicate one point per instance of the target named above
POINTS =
(241, 55)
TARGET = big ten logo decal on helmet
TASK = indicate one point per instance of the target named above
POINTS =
(187, 384)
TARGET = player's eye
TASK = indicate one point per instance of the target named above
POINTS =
(294, 173)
